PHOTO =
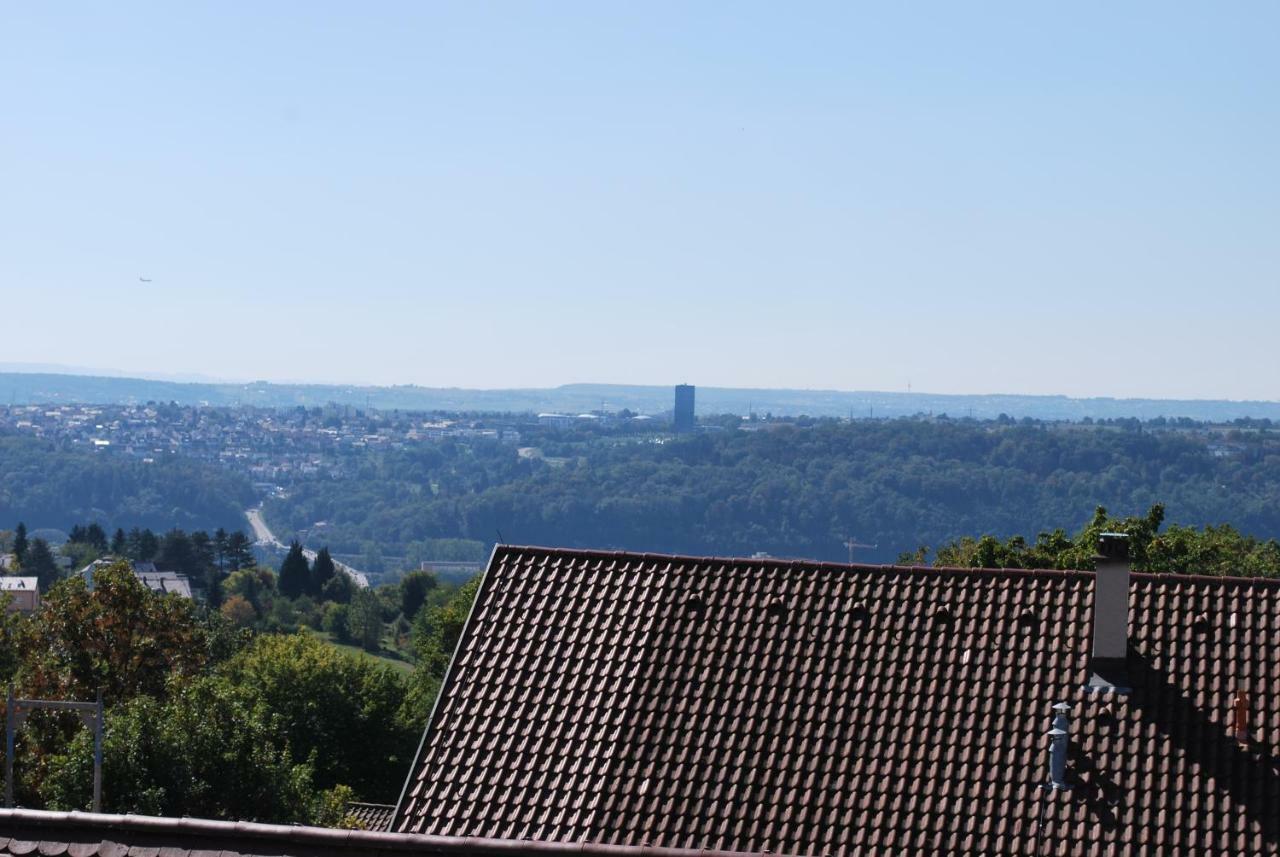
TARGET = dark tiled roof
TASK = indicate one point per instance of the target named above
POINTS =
(373, 816)
(34, 833)
(753, 705)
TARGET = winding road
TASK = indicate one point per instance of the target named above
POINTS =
(262, 535)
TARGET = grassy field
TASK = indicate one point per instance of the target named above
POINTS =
(387, 658)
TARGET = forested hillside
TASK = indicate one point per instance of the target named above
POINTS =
(797, 489)
(48, 486)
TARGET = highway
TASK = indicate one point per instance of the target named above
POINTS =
(262, 535)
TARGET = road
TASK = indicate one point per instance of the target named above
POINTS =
(262, 535)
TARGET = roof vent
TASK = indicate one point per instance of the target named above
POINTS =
(775, 607)
(942, 617)
(1200, 624)
(1059, 742)
(1028, 620)
(694, 605)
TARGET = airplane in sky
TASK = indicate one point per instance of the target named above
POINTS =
(143, 280)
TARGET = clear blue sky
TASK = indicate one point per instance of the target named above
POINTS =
(1078, 198)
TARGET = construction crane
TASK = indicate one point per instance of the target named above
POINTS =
(852, 542)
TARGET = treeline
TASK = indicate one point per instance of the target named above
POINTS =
(45, 486)
(205, 559)
(796, 490)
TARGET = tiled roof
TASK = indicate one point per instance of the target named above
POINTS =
(372, 816)
(753, 705)
(35, 833)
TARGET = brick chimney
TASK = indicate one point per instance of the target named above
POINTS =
(1110, 614)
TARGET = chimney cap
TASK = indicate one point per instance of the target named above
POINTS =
(1061, 706)
(1114, 546)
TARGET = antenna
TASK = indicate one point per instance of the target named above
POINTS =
(501, 540)
(851, 543)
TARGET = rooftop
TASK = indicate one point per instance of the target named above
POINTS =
(756, 705)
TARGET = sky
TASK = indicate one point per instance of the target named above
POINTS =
(1076, 198)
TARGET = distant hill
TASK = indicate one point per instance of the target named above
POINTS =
(50, 388)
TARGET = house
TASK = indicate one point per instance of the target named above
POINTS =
(804, 708)
(23, 592)
(609, 704)
(161, 582)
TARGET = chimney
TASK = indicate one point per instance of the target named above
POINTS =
(1111, 598)
(1111, 613)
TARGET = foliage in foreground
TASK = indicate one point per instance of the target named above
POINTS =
(1220, 550)
(202, 719)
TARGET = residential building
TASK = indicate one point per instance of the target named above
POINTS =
(803, 708)
(161, 582)
(23, 592)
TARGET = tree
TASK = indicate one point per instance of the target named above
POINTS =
(20, 543)
(436, 632)
(239, 551)
(96, 537)
(178, 555)
(220, 548)
(118, 543)
(208, 751)
(294, 572)
(339, 589)
(322, 571)
(337, 710)
(121, 637)
(142, 545)
(41, 563)
(414, 587)
(238, 611)
(365, 620)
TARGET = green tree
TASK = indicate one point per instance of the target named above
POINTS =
(41, 563)
(20, 543)
(118, 543)
(338, 711)
(322, 571)
(364, 618)
(294, 572)
(239, 551)
(414, 588)
(436, 632)
(209, 750)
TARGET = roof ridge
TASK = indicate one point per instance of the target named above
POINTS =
(883, 567)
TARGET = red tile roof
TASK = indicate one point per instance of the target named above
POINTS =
(370, 816)
(761, 705)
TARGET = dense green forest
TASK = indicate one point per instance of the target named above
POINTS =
(798, 489)
(48, 486)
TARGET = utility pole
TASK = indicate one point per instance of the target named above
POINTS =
(16, 713)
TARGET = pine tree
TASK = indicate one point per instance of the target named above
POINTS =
(40, 562)
(220, 548)
(322, 571)
(294, 572)
(239, 551)
(20, 544)
(96, 537)
(118, 543)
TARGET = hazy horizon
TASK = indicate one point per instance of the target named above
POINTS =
(1078, 201)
